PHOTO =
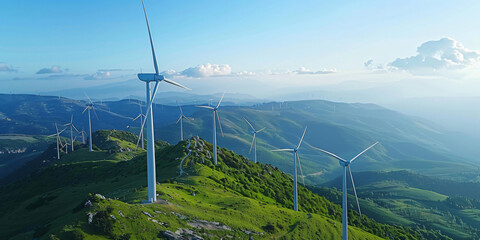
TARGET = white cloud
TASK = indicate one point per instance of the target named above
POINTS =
(99, 75)
(53, 69)
(443, 54)
(207, 70)
(304, 70)
(5, 68)
(201, 71)
(245, 73)
(378, 68)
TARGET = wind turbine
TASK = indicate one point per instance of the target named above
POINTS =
(83, 136)
(71, 130)
(295, 159)
(346, 165)
(254, 140)
(215, 114)
(141, 116)
(148, 78)
(90, 106)
(180, 119)
(58, 139)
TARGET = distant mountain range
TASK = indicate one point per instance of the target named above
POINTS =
(405, 142)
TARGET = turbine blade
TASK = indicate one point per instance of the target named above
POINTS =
(218, 105)
(95, 113)
(180, 118)
(283, 150)
(207, 107)
(88, 98)
(71, 119)
(136, 117)
(151, 41)
(85, 109)
(251, 146)
(249, 124)
(261, 129)
(187, 118)
(329, 153)
(181, 111)
(62, 131)
(75, 128)
(219, 123)
(301, 139)
(300, 165)
(358, 155)
(176, 84)
(355, 191)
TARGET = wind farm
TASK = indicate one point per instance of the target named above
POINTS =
(139, 159)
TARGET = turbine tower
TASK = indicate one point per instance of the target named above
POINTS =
(254, 140)
(346, 165)
(71, 130)
(83, 136)
(295, 159)
(148, 78)
(141, 116)
(58, 139)
(180, 119)
(88, 107)
(215, 114)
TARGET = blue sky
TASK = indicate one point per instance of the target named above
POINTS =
(87, 43)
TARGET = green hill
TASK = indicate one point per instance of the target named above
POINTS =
(16, 150)
(236, 198)
(410, 199)
(344, 128)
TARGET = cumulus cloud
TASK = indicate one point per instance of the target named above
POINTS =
(304, 70)
(5, 68)
(99, 75)
(443, 54)
(208, 70)
(53, 69)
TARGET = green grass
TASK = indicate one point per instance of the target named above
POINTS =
(236, 192)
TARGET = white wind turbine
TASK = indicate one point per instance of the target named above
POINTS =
(180, 119)
(88, 107)
(71, 130)
(148, 78)
(346, 165)
(254, 140)
(295, 159)
(58, 139)
(141, 116)
(215, 115)
(83, 136)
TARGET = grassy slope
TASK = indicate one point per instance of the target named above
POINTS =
(29, 146)
(398, 202)
(47, 202)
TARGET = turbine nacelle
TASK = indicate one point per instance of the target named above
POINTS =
(344, 164)
(150, 77)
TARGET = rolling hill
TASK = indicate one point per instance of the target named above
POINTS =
(98, 195)
(405, 142)
(410, 199)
